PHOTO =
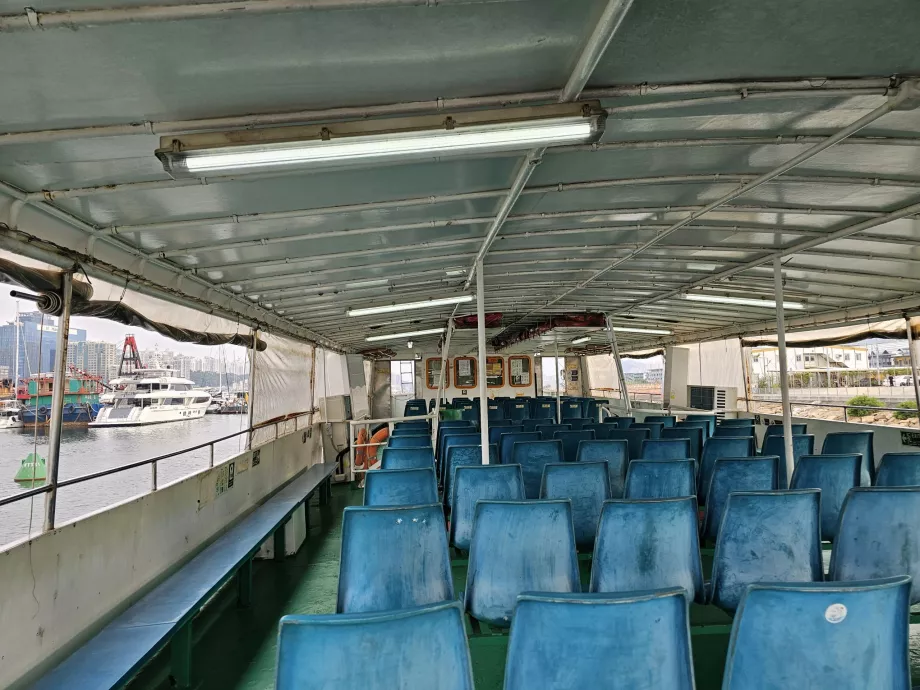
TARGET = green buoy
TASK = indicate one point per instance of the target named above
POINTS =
(31, 471)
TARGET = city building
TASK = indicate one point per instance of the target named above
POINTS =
(888, 357)
(654, 376)
(37, 344)
(95, 357)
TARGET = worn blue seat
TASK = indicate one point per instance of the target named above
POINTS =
(495, 432)
(899, 469)
(411, 487)
(660, 479)
(777, 430)
(570, 441)
(521, 546)
(565, 641)
(530, 425)
(572, 409)
(710, 420)
(879, 536)
(406, 458)
(615, 454)
(739, 421)
(665, 449)
(735, 430)
(533, 456)
(648, 544)
(715, 448)
(620, 422)
(415, 408)
(766, 536)
(586, 485)
(759, 473)
(592, 409)
(578, 424)
(668, 420)
(654, 428)
(409, 441)
(506, 442)
(549, 429)
(421, 425)
(600, 430)
(803, 444)
(633, 438)
(414, 649)
(471, 484)
(517, 409)
(694, 434)
(467, 439)
(543, 409)
(847, 442)
(835, 475)
(463, 455)
(703, 426)
(821, 636)
(377, 543)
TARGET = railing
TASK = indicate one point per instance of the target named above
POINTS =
(910, 412)
(353, 444)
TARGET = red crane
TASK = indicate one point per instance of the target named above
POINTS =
(130, 357)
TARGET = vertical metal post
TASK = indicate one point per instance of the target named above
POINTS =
(913, 365)
(746, 373)
(666, 381)
(558, 385)
(252, 389)
(618, 363)
(483, 385)
(783, 373)
(57, 399)
(211, 460)
(442, 380)
(153, 476)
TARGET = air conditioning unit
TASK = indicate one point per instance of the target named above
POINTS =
(712, 398)
(336, 408)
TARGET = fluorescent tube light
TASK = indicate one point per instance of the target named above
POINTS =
(744, 301)
(381, 141)
(388, 308)
(399, 336)
(649, 331)
(579, 341)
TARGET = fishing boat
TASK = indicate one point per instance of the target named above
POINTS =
(81, 395)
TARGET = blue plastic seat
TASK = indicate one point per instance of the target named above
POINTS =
(759, 473)
(543, 409)
(620, 422)
(715, 448)
(421, 425)
(471, 484)
(408, 432)
(615, 454)
(406, 458)
(646, 544)
(710, 420)
(668, 420)
(633, 438)
(577, 423)
(665, 449)
(517, 409)
(496, 412)
(723, 431)
(549, 429)
(467, 439)
(777, 430)
(694, 434)
(506, 442)
(414, 649)
(377, 543)
(533, 456)
(803, 444)
(410, 441)
(565, 641)
(463, 455)
(586, 485)
(530, 425)
(415, 408)
(592, 409)
(899, 469)
(847, 442)
(600, 430)
(495, 432)
(660, 479)
(879, 536)
(739, 421)
(572, 409)
(400, 487)
(766, 536)
(524, 546)
(835, 475)
(821, 636)
(654, 428)
(703, 426)
(570, 441)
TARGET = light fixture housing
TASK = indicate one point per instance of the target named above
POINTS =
(390, 308)
(741, 301)
(579, 341)
(371, 142)
(647, 331)
(400, 336)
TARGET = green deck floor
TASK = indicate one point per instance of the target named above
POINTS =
(235, 648)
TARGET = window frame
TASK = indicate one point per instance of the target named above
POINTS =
(530, 371)
(475, 374)
(428, 371)
(501, 362)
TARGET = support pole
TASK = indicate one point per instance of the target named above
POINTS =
(618, 363)
(746, 374)
(483, 386)
(783, 374)
(252, 385)
(666, 381)
(913, 365)
(558, 386)
(57, 399)
(442, 380)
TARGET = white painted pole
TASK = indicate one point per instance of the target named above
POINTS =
(913, 365)
(783, 374)
(442, 380)
(558, 387)
(57, 399)
(483, 386)
(618, 363)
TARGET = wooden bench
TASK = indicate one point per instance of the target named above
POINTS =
(114, 655)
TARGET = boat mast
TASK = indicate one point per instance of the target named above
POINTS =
(16, 328)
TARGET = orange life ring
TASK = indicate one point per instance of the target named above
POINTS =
(365, 456)
(360, 448)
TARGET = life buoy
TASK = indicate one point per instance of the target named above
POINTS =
(366, 455)
(360, 448)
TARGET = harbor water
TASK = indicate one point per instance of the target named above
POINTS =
(84, 451)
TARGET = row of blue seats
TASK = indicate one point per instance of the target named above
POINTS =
(816, 636)
(516, 408)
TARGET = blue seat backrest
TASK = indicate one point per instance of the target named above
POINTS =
(879, 536)
(694, 434)
(660, 478)
(533, 456)
(592, 409)
(517, 409)
(899, 469)
(734, 430)
(406, 458)
(600, 430)
(620, 422)
(801, 445)
(740, 421)
(578, 424)
(502, 422)
(667, 420)
(710, 420)
(570, 441)
(759, 473)
(496, 411)
(549, 429)
(468, 439)
(470, 414)
(411, 431)
(633, 438)
(411, 487)
(846, 442)
(820, 635)
(777, 430)
(645, 545)
(572, 409)
(495, 432)
(471, 484)
(654, 428)
(506, 443)
(586, 485)
(530, 425)
(463, 455)
(702, 425)
(422, 426)
(835, 475)
(377, 543)
(410, 441)
(715, 448)
(418, 648)
(766, 536)
(559, 642)
(525, 546)
(455, 431)
(615, 454)
(543, 409)
(666, 449)
(415, 408)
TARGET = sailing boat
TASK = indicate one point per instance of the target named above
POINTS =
(10, 412)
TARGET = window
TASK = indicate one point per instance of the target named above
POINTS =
(859, 356)
(201, 400)
(520, 370)
(156, 386)
(433, 374)
(465, 372)
(798, 358)
(846, 356)
(495, 372)
(182, 386)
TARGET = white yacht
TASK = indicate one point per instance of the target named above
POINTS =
(153, 396)
(10, 417)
